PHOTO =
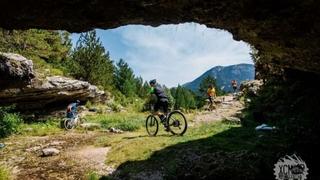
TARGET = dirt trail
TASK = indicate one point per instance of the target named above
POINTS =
(78, 155)
(227, 108)
(92, 157)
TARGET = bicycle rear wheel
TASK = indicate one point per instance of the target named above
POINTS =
(177, 123)
(152, 125)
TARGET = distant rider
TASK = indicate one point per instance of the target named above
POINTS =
(162, 100)
(234, 85)
(211, 92)
(72, 109)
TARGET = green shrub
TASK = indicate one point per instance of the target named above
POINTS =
(9, 122)
(89, 105)
(115, 106)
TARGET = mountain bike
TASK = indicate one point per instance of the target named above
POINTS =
(70, 123)
(175, 121)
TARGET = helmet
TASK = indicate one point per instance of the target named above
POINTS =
(153, 81)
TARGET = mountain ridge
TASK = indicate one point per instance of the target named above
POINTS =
(224, 75)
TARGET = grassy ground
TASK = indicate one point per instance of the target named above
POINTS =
(227, 147)
(140, 146)
(218, 150)
(123, 120)
(40, 128)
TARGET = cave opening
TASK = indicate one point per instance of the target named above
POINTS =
(176, 54)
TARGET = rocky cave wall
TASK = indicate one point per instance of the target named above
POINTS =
(285, 32)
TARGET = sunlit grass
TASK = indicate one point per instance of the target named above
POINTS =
(139, 146)
(40, 128)
(134, 152)
(92, 176)
(124, 121)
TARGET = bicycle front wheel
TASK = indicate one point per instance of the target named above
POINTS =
(68, 124)
(177, 123)
(152, 125)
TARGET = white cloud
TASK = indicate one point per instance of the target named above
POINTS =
(176, 54)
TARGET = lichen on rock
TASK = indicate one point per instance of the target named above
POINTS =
(15, 70)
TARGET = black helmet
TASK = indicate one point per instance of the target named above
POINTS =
(153, 81)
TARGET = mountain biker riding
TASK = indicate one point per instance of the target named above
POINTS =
(162, 100)
(234, 85)
(211, 92)
(72, 109)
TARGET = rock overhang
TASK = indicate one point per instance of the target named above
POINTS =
(286, 32)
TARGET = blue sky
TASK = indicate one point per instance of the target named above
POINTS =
(172, 54)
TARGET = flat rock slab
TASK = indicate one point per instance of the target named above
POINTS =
(93, 157)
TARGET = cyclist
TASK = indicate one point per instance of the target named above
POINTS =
(234, 85)
(162, 100)
(72, 110)
(211, 92)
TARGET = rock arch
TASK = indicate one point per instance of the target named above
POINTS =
(285, 32)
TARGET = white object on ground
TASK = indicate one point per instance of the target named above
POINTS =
(264, 127)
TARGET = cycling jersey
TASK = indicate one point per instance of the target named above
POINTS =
(211, 92)
(72, 110)
(159, 92)
(162, 98)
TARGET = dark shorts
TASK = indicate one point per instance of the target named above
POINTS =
(161, 104)
(70, 114)
(210, 99)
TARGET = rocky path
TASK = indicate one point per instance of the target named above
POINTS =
(62, 156)
(227, 108)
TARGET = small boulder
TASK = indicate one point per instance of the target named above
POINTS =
(50, 151)
(114, 130)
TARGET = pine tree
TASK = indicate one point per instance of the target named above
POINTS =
(124, 79)
(139, 87)
(51, 46)
(180, 99)
(145, 89)
(183, 97)
(90, 61)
